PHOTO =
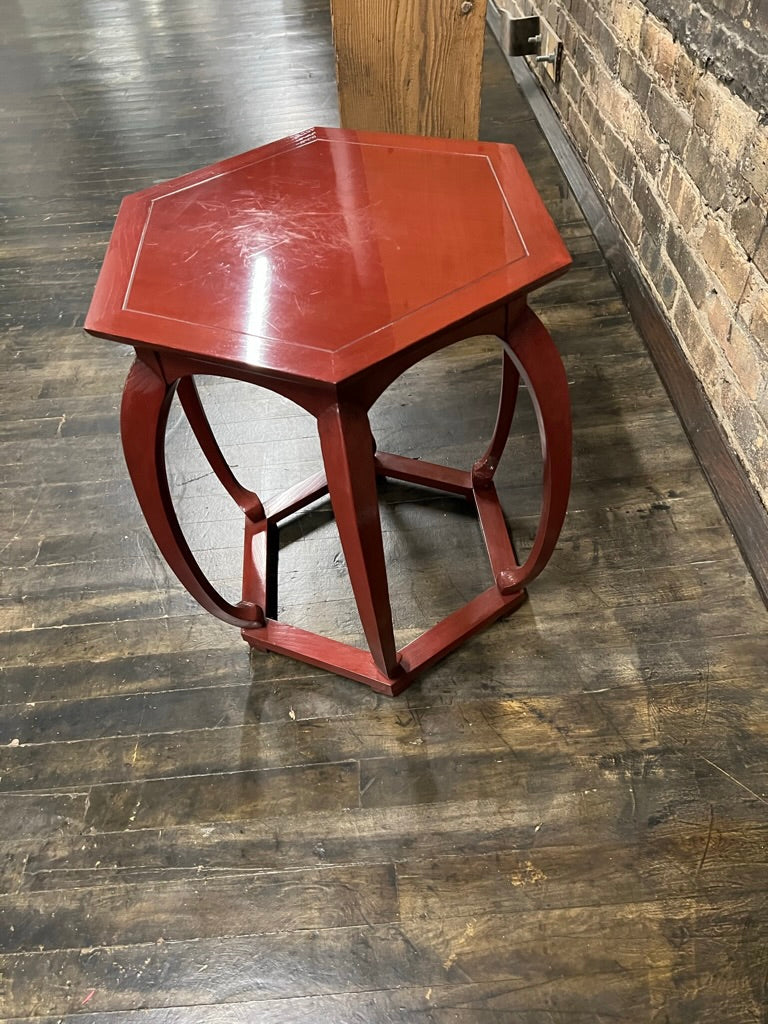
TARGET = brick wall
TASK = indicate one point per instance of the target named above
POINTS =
(682, 158)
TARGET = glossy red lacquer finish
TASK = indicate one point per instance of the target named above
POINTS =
(323, 253)
(322, 267)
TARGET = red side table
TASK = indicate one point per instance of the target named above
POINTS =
(321, 267)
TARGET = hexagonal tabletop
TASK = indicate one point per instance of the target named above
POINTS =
(323, 253)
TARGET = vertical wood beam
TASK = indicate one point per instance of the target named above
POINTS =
(410, 66)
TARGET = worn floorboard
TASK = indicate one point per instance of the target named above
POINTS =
(564, 821)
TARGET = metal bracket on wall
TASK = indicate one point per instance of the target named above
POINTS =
(526, 37)
(551, 54)
(516, 36)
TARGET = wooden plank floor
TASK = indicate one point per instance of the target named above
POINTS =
(565, 821)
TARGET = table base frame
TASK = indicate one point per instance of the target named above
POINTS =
(259, 583)
(352, 467)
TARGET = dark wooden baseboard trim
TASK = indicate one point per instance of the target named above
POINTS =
(726, 475)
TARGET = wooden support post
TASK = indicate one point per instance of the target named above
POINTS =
(412, 67)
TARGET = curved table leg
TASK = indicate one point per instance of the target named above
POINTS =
(347, 446)
(248, 501)
(484, 469)
(534, 354)
(143, 418)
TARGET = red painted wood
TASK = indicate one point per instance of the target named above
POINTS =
(249, 502)
(260, 565)
(498, 543)
(143, 418)
(428, 474)
(347, 446)
(485, 468)
(325, 653)
(296, 497)
(423, 652)
(329, 241)
(308, 267)
(367, 387)
(538, 362)
(447, 635)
